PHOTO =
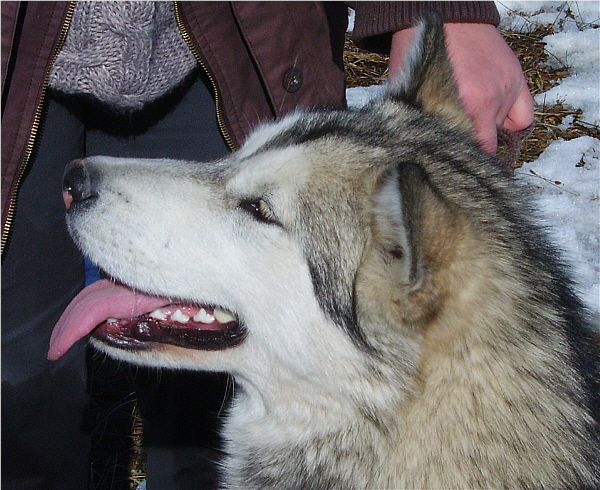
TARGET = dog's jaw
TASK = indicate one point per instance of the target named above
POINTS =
(191, 327)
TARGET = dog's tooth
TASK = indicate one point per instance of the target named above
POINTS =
(203, 317)
(159, 314)
(223, 316)
(112, 320)
(180, 317)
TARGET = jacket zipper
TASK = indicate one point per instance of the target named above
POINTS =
(34, 132)
(38, 115)
(218, 100)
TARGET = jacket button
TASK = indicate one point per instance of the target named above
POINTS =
(292, 80)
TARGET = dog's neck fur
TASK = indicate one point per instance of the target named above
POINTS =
(273, 435)
(279, 435)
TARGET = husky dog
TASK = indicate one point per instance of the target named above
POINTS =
(372, 280)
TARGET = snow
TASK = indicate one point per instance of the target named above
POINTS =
(565, 182)
(580, 52)
(565, 179)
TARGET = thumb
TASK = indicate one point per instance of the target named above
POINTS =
(520, 115)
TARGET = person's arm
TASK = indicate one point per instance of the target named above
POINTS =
(489, 76)
(490, 80)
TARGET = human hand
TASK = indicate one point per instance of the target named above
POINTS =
(490, 80)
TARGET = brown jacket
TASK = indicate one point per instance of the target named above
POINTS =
(263, 58)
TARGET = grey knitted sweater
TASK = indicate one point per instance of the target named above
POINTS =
(123, 53)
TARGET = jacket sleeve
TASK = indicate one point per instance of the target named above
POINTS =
(30, 32)
(375, 22)
(10, 11)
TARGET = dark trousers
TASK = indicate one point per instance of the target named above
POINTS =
(45, 443)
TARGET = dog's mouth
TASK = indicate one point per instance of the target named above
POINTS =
(183, 325)
(129, 319)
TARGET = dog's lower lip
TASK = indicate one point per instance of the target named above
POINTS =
(144, 331)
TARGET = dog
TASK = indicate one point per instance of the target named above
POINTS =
(376, 284)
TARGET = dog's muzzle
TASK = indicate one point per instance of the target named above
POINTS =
(129, 318)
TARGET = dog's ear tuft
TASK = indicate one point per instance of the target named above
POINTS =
(426, 80)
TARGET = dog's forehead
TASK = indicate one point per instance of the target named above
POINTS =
(298, 170)
(266, 171)
(303, 150)
(261, 136)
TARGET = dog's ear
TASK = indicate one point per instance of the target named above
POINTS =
(403, 275)
(426, 80)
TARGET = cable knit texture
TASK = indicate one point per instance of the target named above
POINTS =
(125, 54)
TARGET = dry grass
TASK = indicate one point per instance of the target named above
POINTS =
(137, 460)
(363, 68)
(549, 118)
(116, 429)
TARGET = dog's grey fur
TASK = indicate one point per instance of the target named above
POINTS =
(408, 325)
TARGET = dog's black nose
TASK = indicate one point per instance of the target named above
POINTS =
(78, 183)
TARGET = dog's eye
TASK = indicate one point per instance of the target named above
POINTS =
(260, 211)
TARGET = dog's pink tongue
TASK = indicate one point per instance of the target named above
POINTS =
(94, 305)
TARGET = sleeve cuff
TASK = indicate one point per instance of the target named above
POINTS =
(375, 22)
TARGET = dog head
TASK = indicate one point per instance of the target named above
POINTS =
(292, 253)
